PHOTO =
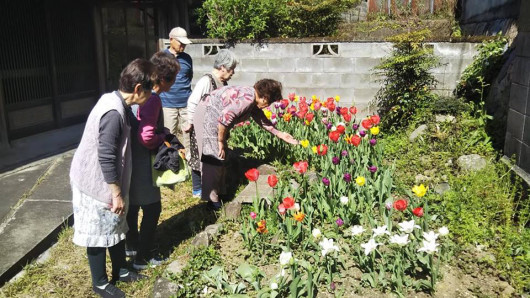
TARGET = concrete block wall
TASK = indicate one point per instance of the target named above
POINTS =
(517, 140)
(347, 74)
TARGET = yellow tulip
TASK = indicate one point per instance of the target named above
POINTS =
(268, 114)
(314, 148)
(337, 98)
(304, 143)
(374, 130)
(360, 180)
(420, 190)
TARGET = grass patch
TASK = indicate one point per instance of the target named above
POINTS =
(66, 272)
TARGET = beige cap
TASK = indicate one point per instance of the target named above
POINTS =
(179, 34)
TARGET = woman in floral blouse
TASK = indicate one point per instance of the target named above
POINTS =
(217, 113)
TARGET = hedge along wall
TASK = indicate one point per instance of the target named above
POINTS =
(325, 69)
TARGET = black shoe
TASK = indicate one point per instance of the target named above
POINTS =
(110, 290)
(151, 263)
(131, 276)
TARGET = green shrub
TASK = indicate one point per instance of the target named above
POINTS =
(315, 17)
(477, 77)
(407, 81)
(234, 20)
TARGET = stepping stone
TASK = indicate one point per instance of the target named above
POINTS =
(164, 288)
(232, 210)
(471, 162)
(177, 266)
(248, 194)
(266, 170)
(201, 239)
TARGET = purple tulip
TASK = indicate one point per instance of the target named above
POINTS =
(324, 112)
(325, 180)
(347, 177)
(388, 205)
(274, 121)
(355, 126)
(372, 169)
(283, 106)
(335, 160)
(373, 142)
(277, 104)
(329, 126)
(362, 133)
(337, 110)
(339, 222)
(344, 153)
(332, 286)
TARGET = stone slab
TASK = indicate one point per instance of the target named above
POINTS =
(29, 233)
(514, 126)
(14, 185)
(248, 194)
(56, 183)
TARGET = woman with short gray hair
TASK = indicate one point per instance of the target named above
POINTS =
(223, 69)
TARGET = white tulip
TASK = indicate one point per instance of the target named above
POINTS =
(443, 231)
(369, 246)
(274, 286)
(380, 231)
(327, 246)
(357, 230)
(400, 240)
(344, 200)
(407, 226)
(316, 233)
(429, 247)
(296, 207)
(285, 258)
(431, 236)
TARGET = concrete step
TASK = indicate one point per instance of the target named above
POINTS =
(38, 216)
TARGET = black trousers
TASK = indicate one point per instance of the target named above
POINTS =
(97, 258)
(143, 240)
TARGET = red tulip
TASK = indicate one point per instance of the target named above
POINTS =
(322, 149)
(301, 166)
(353, 110)
(334, 136)
(317, 105)
(309, 117)
(272, 180)
(291, 110)
(367, 123)
(400, 205)
(288, 203)
(284, 103)
(375, 119)
(291, 96)
(418, 211)
(347, 117)
(355, 140)
(343, 111)
(341, 128)
(252, 174)
(331, 106)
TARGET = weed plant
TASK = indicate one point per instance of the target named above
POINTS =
(485, 209)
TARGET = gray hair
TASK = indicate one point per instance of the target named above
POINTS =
(225, 58)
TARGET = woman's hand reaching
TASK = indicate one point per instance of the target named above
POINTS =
(288, 138)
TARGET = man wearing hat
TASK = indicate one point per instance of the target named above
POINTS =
(175, 101)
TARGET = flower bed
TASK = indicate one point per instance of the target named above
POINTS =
(317, 228)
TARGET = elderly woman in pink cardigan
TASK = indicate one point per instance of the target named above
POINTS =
(217, 113)
(148, 133)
